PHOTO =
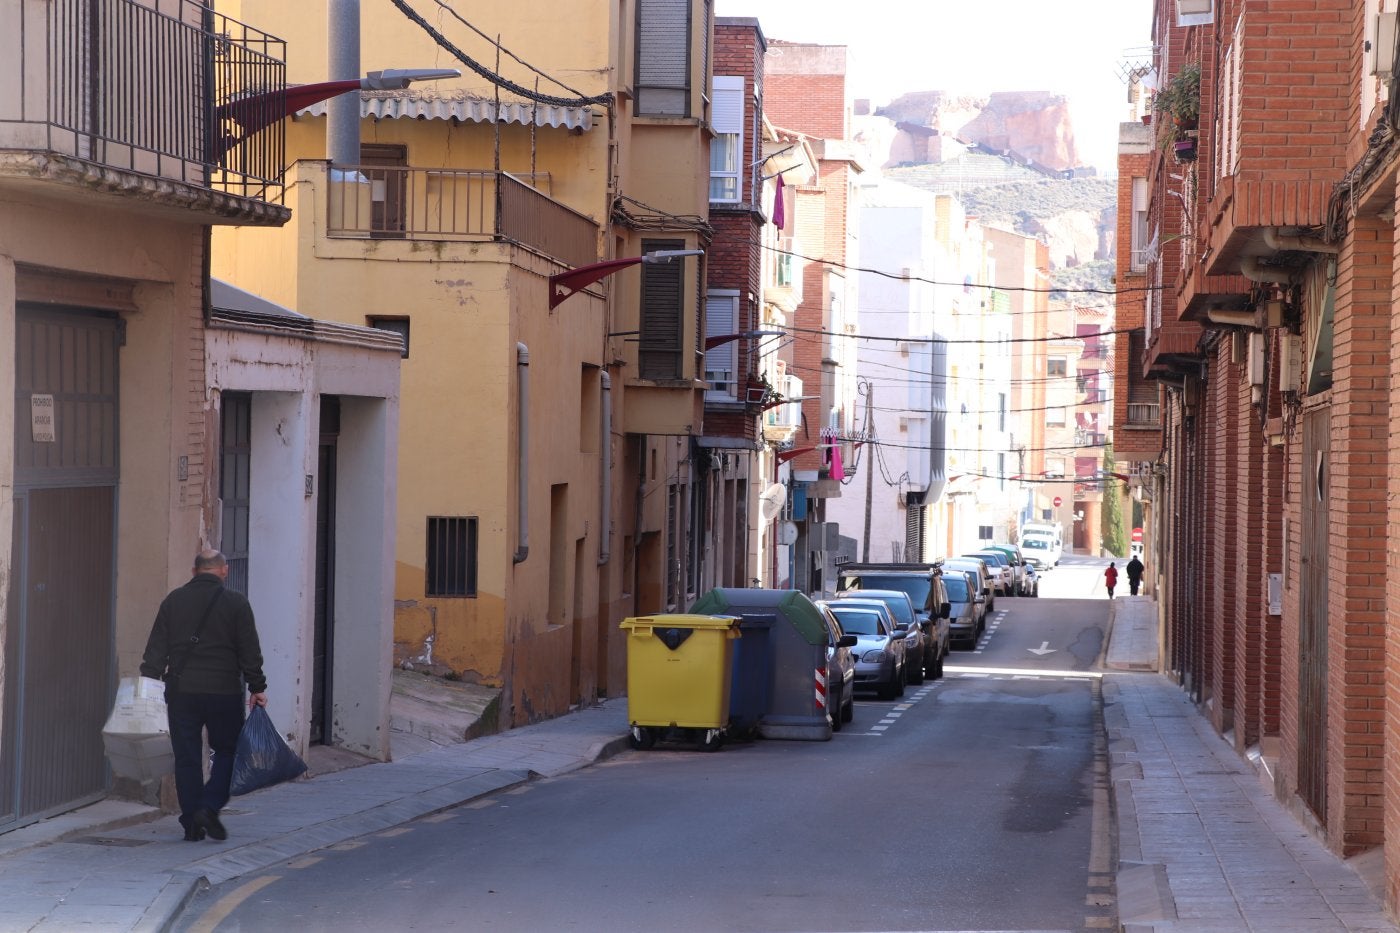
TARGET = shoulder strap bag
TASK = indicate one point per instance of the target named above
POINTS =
(172, 674)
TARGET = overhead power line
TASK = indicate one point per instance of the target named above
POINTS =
(999, 288)
(499, 80)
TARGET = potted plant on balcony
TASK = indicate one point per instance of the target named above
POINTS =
(1178, 104)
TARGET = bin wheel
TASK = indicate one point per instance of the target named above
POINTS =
(712, 741)
(642, 738)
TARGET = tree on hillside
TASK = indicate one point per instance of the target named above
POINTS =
(1115, 533)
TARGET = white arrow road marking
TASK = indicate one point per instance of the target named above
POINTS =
(1043, 650)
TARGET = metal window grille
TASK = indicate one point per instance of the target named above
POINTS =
(235, 464)
(451, 569)
(394, 325)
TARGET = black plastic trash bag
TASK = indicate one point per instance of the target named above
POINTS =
(263, 757)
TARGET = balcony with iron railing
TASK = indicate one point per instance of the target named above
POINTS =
(402, 203)
(145, 99)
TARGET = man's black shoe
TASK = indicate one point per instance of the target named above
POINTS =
(208, 821)
(194, 834)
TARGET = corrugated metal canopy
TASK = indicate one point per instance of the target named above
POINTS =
(419, 106)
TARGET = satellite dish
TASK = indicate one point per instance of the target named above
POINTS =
(787, 533)
(770, 501)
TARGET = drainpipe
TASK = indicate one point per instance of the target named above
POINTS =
(522, 479)
(343, 112)
(605, 473)
(1308, 244)
(1233, 318)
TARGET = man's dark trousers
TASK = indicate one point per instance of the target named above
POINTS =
(190, 714)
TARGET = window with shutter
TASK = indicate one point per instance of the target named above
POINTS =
(722, 363)
(663, 58)
(663, 307)
(727, 121)
(1138, 259)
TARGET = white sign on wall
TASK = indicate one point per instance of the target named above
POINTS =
(41, 419)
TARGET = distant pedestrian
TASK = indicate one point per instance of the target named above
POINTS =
(1134, 569)
(204, 645)
(1110, 578)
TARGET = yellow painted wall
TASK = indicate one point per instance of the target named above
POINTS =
(164, 409)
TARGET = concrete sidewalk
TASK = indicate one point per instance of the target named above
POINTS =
(111, 867)
(1203, 845)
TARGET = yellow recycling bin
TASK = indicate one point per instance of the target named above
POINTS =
(678, 677)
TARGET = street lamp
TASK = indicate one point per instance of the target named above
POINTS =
(564, 284)
(257, 112)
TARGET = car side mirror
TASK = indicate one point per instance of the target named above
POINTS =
(901, 629)
(846, 641)
(981, 597)
(945, 610)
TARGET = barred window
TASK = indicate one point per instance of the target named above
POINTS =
(451, 567)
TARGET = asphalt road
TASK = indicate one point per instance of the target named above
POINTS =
(974, 803)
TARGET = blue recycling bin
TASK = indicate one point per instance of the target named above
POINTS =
(782, 646)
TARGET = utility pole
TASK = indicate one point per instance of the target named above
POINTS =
(869, 390)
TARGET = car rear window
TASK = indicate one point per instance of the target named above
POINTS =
(857, 621)
(917, 586)
(995, 557)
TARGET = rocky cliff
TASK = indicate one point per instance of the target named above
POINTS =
(1032, 126)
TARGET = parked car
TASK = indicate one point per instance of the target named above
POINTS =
(985, 580)
(1001, 567)
(969, 613)
(923, 584)
(1019, 564)
(926, 651)
(1043, 550)
(840, 671)
(879, 649)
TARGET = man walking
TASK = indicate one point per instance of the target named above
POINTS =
(1110, 578)
(204, 645)
(1134, 569)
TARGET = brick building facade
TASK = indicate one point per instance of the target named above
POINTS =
(1268, 324)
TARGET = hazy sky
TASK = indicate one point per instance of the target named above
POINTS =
(1072, 47)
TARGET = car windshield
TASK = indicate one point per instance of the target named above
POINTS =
(916, 586)
(858, 622)
(957, 588)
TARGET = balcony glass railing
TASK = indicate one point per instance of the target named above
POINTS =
(166, 88)
(392, 202)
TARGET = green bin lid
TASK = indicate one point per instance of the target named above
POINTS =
(792, 605)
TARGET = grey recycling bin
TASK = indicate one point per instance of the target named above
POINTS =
(777, 662)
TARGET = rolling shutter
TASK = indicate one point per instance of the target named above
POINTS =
(663, 306)
(663, 57)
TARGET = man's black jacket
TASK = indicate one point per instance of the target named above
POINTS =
(228, 653)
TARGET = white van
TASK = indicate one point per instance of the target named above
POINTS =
(1041, 548)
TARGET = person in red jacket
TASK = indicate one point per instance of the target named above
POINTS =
(1110, 578)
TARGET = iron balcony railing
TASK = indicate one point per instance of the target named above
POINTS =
(395, 202)
(164, 88)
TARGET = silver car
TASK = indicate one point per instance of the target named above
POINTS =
(978, 567)
(918, 641)
(840, 671)
(879, 649)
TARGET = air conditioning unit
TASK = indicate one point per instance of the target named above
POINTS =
(1255, 359)
(1382, 55)
(1194, 12)
(1290, 362)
